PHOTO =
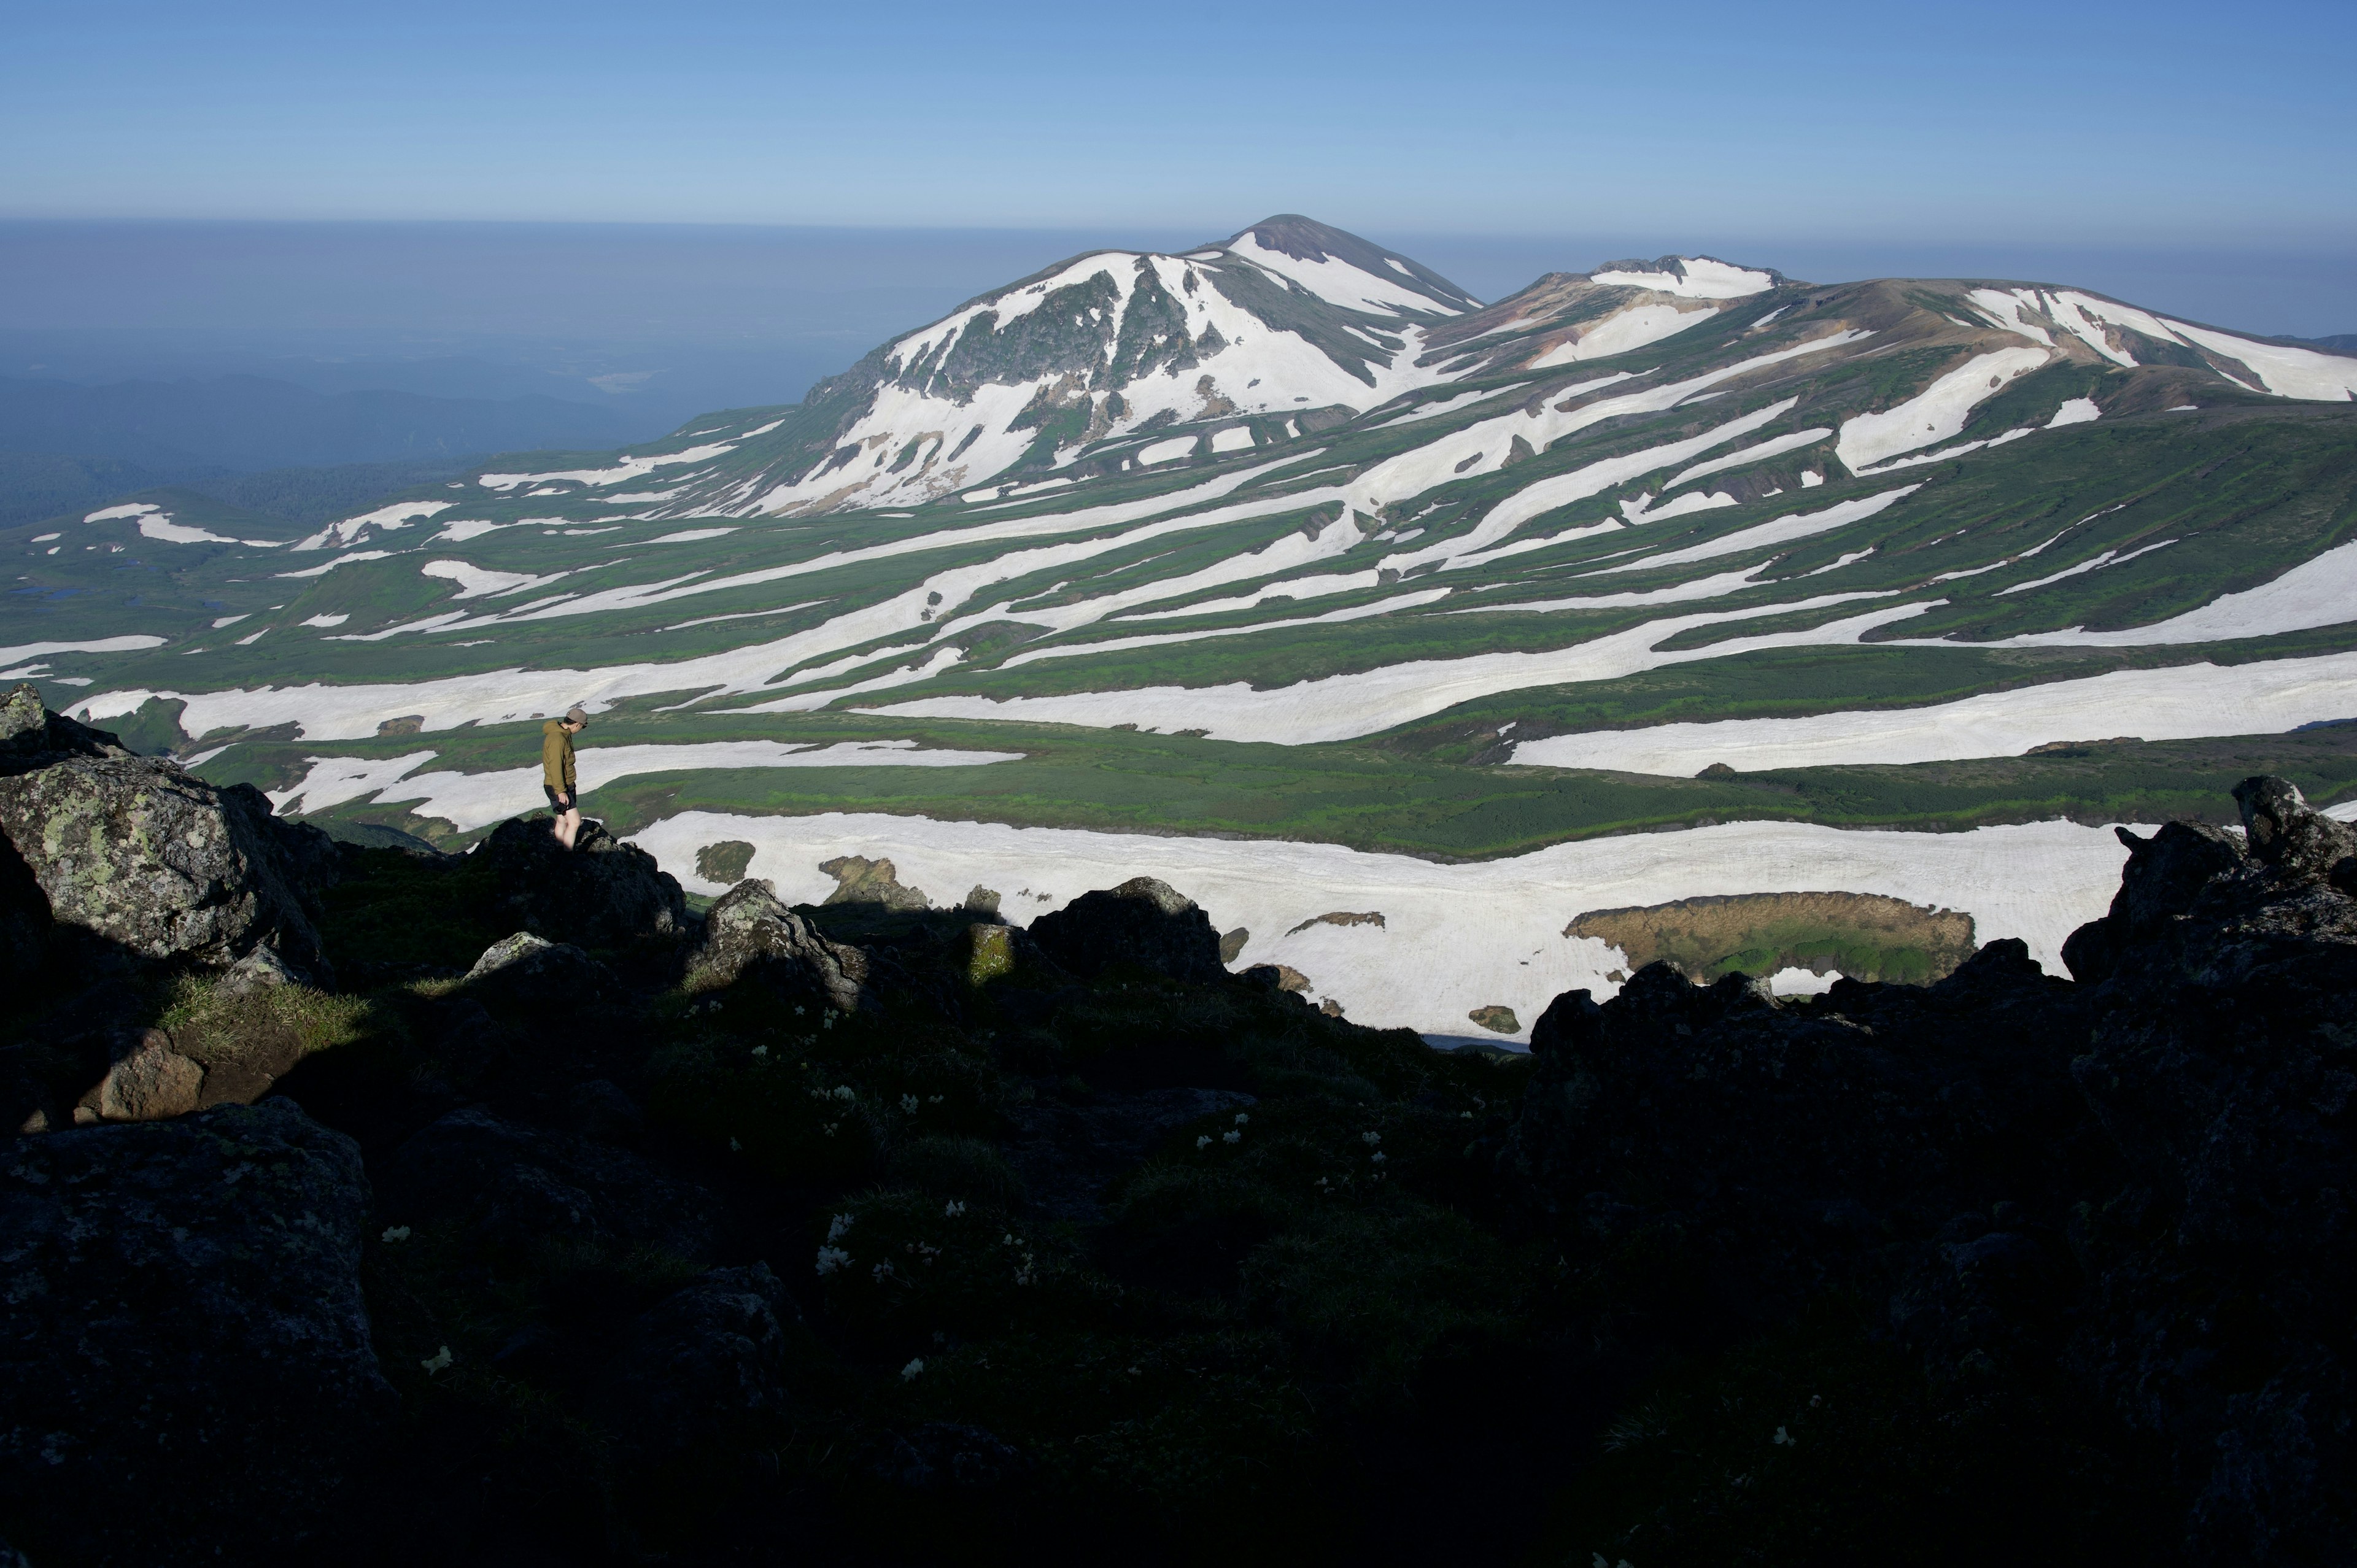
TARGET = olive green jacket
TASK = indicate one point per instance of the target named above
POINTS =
(556, 756)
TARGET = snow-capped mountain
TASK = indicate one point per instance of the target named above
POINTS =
(1293, 493)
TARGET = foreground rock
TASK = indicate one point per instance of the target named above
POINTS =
(525, 971)
(2141, 1185)
(186, 1374)
(602, 893)
(1787, 1143)
(706, 1365)
(513, 1186)
(148, 858)
(1144, 921)
(2222, 1277)
(749, 934)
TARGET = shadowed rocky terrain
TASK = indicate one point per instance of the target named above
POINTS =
(381, 1206)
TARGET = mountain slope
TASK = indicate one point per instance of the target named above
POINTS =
(1287, 537)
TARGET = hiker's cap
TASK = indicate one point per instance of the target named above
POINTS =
(576, 715)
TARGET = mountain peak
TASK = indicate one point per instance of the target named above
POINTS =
(1317, 250)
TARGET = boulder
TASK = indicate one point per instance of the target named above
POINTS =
(708, 1362)
(749, 932)
(30, 735)
(513, 1186)
(149, 1082)
(151, 859)
(1144, 921)
(2283, 832)
(602, 893)
(525, 971)
(186, 1371)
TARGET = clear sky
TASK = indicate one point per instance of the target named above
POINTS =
(2164, 122)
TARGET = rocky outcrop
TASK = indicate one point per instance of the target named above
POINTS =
(2140, 1187)
(602, 893)
(160, 863)
(513, 1187)
(2221, 1276)
(186, 1372)
(750, 933)
(1144, 921)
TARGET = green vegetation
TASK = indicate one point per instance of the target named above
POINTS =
(1397, 795)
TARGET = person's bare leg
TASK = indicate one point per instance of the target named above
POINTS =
(568, 826)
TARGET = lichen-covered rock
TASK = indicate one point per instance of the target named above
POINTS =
(524, 970)
(708, 1362)
(602, 893)
(1144, 921)
(186, 1372)
(749, 934)
(30, 735)
(160, 862)
(515, 1186)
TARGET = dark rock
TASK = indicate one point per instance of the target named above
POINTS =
(525, 972)
(514, 1187)
(2223, 1066)
(2284, 833)
(1282, 977)
(599, 1109)
(1143, 922)
(1231, 943)
(162, 863)
(941, 1456)
(1783, 1142)
(186, 1374)
(1067, 1155)
(602, 893)
(708, 1362)
(982, 900)
(2163, 876)
(747, 933)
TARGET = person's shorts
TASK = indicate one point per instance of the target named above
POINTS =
(558, 801)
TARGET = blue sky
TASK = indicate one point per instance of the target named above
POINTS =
(2161, 123)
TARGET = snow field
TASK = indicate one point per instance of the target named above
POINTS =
(1337, 281)
(1703, 279)
(2318, 591)
(1622, 332)
(2185, 703)
(1343, 707)
(1455, 936)
(1769, 535)
(1935, 413)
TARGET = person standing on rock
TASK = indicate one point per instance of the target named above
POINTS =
(557, 775)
